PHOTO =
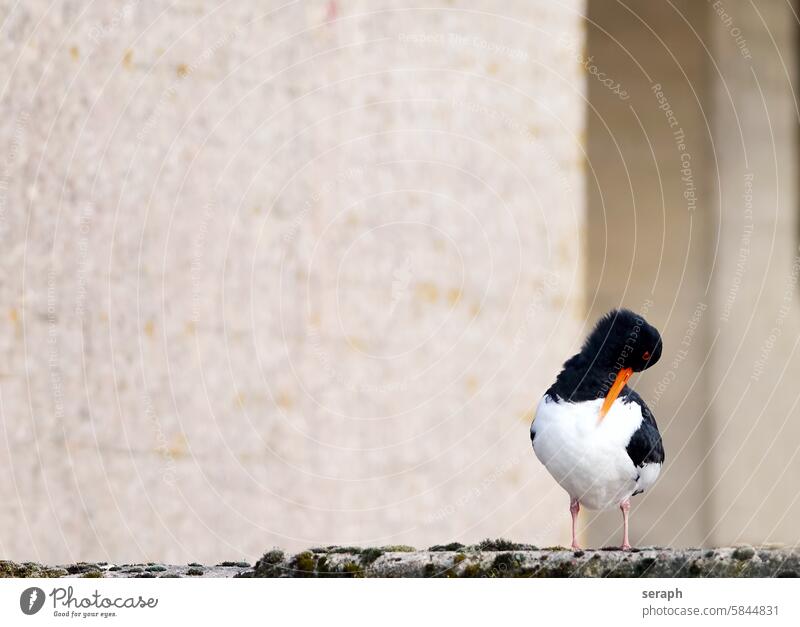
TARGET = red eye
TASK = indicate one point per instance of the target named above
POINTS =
(646, 355)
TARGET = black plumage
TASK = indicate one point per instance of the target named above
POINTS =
(614, 343)
(645, 446)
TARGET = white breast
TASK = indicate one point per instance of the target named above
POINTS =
(589, 458)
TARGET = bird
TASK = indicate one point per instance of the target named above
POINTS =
(591, 431)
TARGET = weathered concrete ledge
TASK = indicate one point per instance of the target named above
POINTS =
(491, 558)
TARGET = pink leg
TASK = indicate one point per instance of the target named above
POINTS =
(574, 508)
(625, 506)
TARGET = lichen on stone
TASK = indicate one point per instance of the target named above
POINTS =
(352, 569)
(370, 555)
(501, 544)
(29, 569)
(303, 564)
(453, 546)
(505, 565)
(270, 564)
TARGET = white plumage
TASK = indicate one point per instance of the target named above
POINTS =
(588, 457)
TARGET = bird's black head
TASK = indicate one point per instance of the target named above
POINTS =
(623, 339)
(620, 344)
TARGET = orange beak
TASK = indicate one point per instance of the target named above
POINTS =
(622, 378)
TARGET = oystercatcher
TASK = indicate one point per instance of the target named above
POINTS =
(593, 433)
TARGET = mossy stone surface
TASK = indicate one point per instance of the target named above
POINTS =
(488, 559)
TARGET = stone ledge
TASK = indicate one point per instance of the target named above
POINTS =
(498, 558)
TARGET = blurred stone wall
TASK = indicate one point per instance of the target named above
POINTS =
(692, 214)
(289, 274)
(755, 363)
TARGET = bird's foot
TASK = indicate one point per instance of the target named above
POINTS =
(576, 546)
(625, 547)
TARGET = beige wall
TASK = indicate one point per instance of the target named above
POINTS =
(756, 460)
(269, 280)
(717, 269)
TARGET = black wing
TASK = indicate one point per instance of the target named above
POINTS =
(645, 446)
